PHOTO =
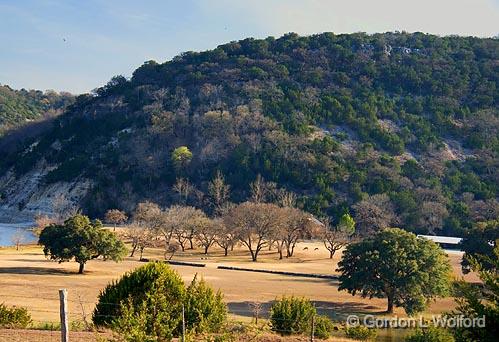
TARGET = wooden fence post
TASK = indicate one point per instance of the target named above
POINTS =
(183, 323)
(312, 329)
(63, 300)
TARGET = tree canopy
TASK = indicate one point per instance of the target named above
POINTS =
(395, 264)
(80, 239)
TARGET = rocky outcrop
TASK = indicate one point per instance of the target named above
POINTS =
(22, 198)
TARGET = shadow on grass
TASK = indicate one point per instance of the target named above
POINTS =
(35, 271)
(335, 310)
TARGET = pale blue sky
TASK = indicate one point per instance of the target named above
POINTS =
(79, 45)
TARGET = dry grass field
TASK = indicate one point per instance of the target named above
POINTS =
(28, 279)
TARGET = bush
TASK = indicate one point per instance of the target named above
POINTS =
(430, 334)
(323, 327)
(292, 315)
(14, 317)
(361, 333)
(146, 305)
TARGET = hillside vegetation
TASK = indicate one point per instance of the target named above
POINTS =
(398, 129)
(18, 107)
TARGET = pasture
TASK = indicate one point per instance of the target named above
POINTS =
(28, 279)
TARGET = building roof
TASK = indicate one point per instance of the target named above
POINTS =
(442, 239)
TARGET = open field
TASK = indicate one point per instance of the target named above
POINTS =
(28, 279)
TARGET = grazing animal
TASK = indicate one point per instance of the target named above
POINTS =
(316, 249)
(305, 249)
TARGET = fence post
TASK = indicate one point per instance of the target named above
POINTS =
(183, 323)
(63, 300)
(312, 329)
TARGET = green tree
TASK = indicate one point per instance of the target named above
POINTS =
(397, 265)
(181, 157)
(480, 301)
(82, 240)
(480, 241)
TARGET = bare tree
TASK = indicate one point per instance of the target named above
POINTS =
(254, 224)
(206, 231)
(286, 198)
(140, 238)
(262, 191)
(183, 188)
(115, 217)
(335, 238)
(63, 208)
(219, 192)
(226, 237)
(42, 221)
(171, 249)
(374, 213)
(18, 238)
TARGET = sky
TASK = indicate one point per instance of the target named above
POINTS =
(76, 46)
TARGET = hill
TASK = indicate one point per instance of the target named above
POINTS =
(398, 129)
(18, 107)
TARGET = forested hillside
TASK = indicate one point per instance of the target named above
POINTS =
(397, 129)
(18, 107)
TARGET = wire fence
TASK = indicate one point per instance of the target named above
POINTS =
(46, 321)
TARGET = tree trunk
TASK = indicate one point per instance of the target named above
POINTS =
(192, 245)
(253, 255)
(226, 251)
(331, 254)
(280, 253)
(390, 304)
(141, 252)
(82, 266)
(134, 247)
(206, 250)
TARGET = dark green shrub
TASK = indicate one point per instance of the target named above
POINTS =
(205, 310)
(361, 332)
(14, 317)
(323, 327)
(430, 334)
(146, 305)
(292, 315)
(136, 285)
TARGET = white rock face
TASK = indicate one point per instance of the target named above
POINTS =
(26, 196)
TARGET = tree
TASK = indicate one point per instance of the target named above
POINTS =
(219, 192)
(183, 188)
(184, 222)
(261, 191)
(82, 240)
(335, 238)
(115, 217)
(480, 301)
(18, 238)
(140, 238)
(253, 224)
(206, 231)
(480, 240)
(181, 157)
(291, 225)
(397, 265)
(374, 213)
(226, 237)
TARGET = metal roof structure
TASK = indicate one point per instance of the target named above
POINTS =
(442, 239)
